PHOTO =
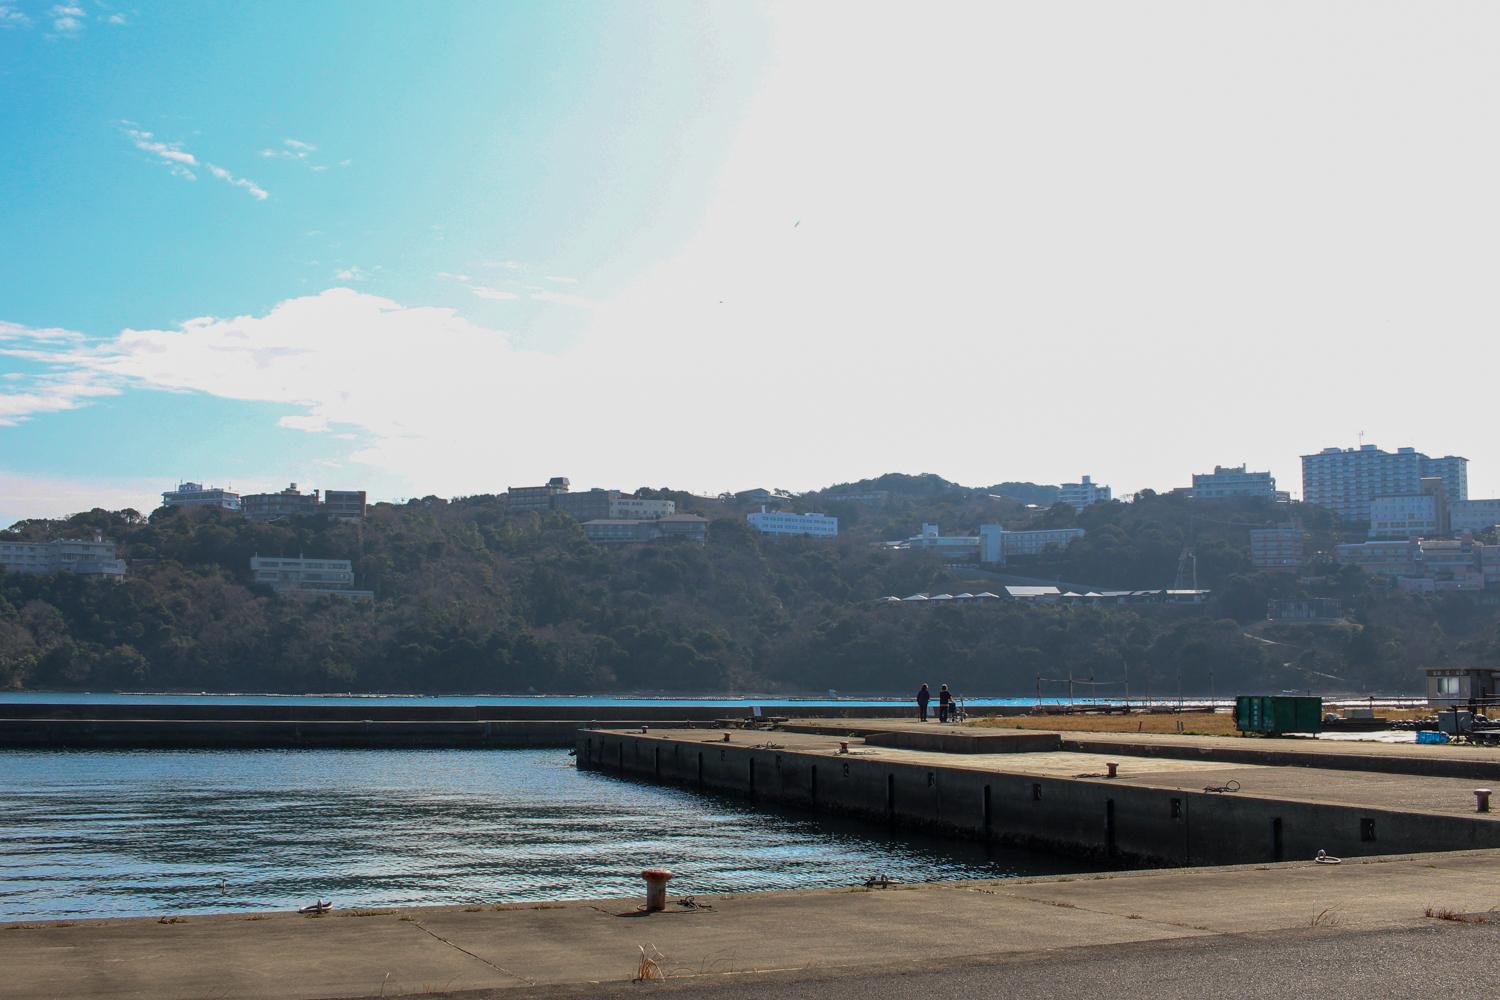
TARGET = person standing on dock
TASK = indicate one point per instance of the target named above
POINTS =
(923, 697)
(945, 703)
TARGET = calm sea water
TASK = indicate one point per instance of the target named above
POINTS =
(109, 697)
(119, 833)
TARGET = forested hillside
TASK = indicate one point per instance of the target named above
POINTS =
(472, 599)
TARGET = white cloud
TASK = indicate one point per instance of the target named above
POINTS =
(256, 191)
(176, 159)
(60, 385)
(17, 332)
(426, 386)
(351, 274)
(303, 422)
(67, 18)
(562, 298)
(562, 280)
(494, 294)
(13, 17)
(479, 289)
(179, 161)
(297, 150)
(116, 19)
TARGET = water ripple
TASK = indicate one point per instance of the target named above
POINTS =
(85, 833)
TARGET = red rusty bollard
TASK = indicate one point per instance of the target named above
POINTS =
(726, 737)
(1482, 800)
(656, 888)
(1113, 769)
(843, 746)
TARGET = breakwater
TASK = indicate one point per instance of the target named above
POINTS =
(1155, 812)
(372, 725)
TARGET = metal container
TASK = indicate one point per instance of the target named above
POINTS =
(1276, 714)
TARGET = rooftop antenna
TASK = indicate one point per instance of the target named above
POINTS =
(1361, 439)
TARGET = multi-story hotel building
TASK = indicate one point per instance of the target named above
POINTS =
(524, 498)
(301, 577)
(197, 495)
(86, 557)
(1080, 495)
(347, 505)
(1473, 515)
(686, 527)
(775, 522)
(1225, 482)
(641, 508)
(1277, 548)
(271, 506)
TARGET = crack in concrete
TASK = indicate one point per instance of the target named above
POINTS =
(478, 958)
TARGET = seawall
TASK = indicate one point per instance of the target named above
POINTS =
(375, 725)
(1157, 813)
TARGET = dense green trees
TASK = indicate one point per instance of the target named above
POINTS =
(471, 599)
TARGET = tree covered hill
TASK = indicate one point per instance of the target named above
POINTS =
(472, 599)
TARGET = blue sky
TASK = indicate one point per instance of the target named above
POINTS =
(444, 248)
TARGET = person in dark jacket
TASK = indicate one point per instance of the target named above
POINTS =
(945, 703)
(923, 697)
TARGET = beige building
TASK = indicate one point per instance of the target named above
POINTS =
(85, 557)
(301, 577)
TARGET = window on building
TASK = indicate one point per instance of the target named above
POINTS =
(1447, 687)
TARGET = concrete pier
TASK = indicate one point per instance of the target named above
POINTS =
(1157, 811)
(1191, 924)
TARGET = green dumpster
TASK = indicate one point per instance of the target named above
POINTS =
(1276, 714)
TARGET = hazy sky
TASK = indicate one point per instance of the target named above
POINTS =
(446, 248)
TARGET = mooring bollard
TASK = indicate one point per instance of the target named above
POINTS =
(643, 730)
(1113, 769)
(726, 737)
(843, 746)
(656, 888)
(1482, 800)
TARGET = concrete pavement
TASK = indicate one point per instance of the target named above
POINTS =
(1450, 760)
(1448, 960)
(577, 944)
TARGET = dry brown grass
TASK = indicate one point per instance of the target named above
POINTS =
(1193, 723)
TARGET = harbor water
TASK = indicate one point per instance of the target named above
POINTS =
(122, 833)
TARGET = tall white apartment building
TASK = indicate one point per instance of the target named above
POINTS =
(775, 522)
(1234, 481)
(197, 495)
(1080, 495)
(640, 508)
(1345, 480)
(96, 557)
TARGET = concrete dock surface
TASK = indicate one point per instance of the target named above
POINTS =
(573, 948)
(1299, 751)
